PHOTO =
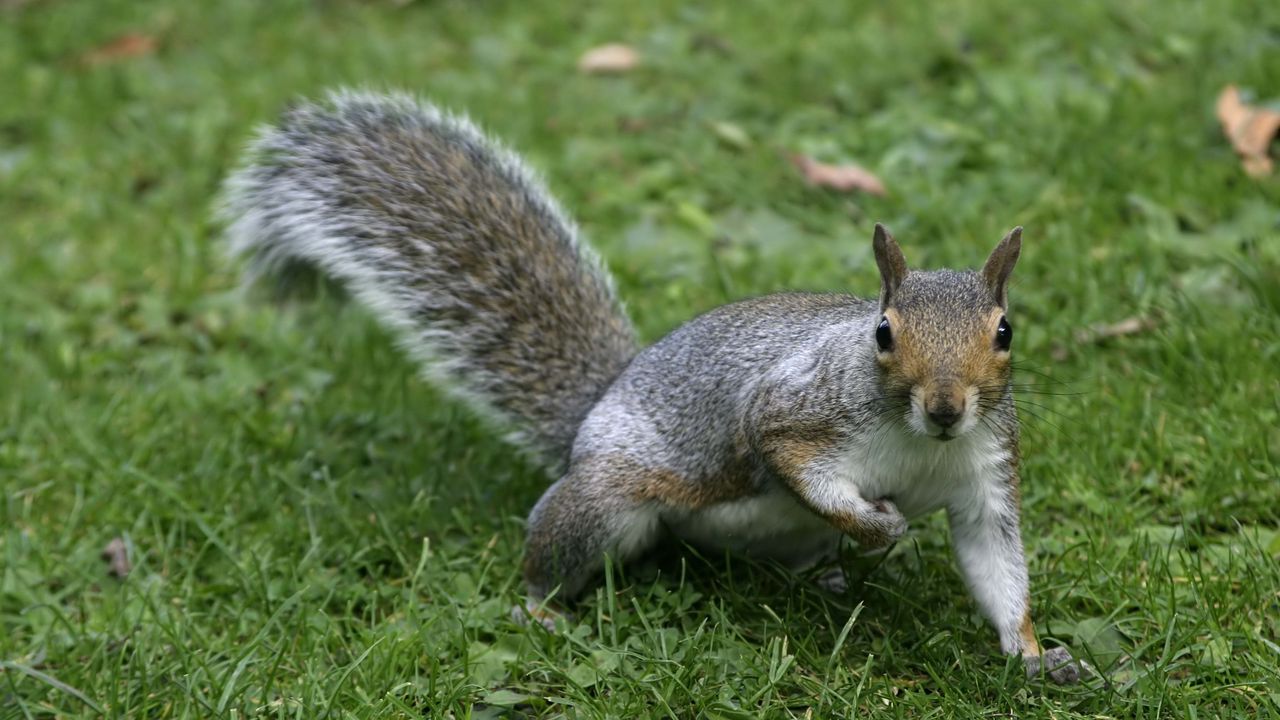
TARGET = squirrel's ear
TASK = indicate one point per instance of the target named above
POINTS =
(893, 266)
(1000, 265)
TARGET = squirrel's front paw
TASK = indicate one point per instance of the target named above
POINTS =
(1058, 663)
(884, 524)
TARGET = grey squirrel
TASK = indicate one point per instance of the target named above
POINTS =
(773, 426)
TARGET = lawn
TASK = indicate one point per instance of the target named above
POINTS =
(315, 532)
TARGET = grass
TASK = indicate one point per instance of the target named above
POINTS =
(316, 533)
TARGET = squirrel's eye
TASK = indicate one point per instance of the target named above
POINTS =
(884, 336)
(1004, 334)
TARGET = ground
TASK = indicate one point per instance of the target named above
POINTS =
(314, 531)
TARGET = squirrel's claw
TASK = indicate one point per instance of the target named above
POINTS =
(888, 522)
(1058, 664)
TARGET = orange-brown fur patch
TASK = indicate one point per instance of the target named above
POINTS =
(790, 456)
(981, 363)
(1030, 646)
(641, 482)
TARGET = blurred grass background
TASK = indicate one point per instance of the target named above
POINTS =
(315, 532)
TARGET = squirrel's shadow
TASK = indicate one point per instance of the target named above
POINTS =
(675, 585)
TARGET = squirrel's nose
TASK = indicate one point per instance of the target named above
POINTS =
(945, 417)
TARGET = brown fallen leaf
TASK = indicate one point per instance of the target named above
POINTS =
(1102, 332)
(611, 58)
(1129, 326)
(126, 46)
(116, 553)
(844, 178)
(1250, 130)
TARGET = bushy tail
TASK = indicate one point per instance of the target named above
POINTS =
(451, 242)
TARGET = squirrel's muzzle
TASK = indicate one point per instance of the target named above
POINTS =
(944, 404)
(946, 416)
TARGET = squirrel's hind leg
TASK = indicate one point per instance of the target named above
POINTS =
(600, 507)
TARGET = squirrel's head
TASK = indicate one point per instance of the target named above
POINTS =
(942, 339)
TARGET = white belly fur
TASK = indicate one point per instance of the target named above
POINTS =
(773, 525)
(919, 473)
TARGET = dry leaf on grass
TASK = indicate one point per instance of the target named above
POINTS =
(116, 553)
(1102, 332)
(126, 46)
(838, 177)
(1128, 326)
(612, 58)
(1250, 130)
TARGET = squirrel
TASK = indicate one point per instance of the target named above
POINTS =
(774, 426)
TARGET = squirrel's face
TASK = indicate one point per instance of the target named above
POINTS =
(943, 340)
